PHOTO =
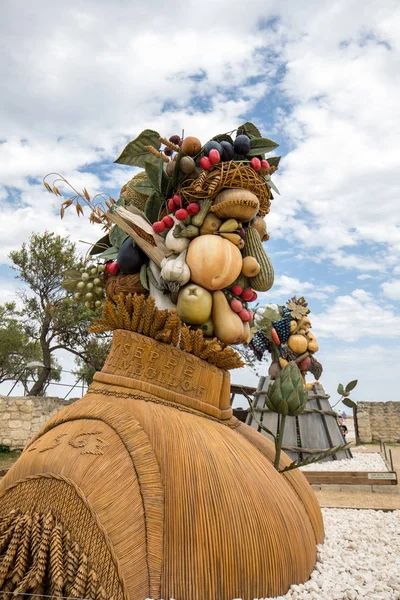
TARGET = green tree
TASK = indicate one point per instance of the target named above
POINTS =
(51, 319)
(16, 348)
(98, 350)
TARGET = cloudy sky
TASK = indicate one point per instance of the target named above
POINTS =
(81, 79)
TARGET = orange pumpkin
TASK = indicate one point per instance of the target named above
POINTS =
(214, 262)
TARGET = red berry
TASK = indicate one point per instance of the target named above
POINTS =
(112, 267)
(193, 208)
(237, 290)
(256, 163)
(158, 226)
(168, 221)
(214, 156)
(247, 294)
(171, 204)
(236, 305)
(251, 314)
(244, 315)
(254, 297)
(175, 139)
(177, 199)
(181, 214)
(265, 164)
(205, 163)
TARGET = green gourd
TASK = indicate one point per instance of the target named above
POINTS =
(254, 247)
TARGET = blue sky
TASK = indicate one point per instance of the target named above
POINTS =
(80, 80)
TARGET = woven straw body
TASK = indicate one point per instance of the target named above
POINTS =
(156, 490)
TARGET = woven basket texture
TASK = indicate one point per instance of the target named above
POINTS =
(165, 492)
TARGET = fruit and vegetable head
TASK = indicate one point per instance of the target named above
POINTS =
(285, 332)
(187, 230)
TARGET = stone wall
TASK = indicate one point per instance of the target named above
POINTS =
(22, 417)
(378, 421)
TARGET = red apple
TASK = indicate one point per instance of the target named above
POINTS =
(181, 214)
(193, 208)
(244, 315)
(168, 221)
(237, 290)
(247, 294)
(305, 364)
(158, 226)
(177, 199)
(205, 163)
(214, 156)
(236, 305)
(112, 267)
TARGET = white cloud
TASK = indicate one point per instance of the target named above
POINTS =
(355, 316)
(285, 287)
(391, 289)
(364, 277)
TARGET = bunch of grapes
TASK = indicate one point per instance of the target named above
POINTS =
(90, 289)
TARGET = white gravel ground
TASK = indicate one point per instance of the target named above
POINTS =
(366, 461)
(360, 558)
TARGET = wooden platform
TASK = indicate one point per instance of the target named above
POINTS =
(351, 477)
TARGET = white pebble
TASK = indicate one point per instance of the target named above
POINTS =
(358, 560)
(365, 461)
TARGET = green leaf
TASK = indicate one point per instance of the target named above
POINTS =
(340, 389)
(269, 316)
(154, 173)
(313, 459)
(223, 137)
(274, 161)
(273, 186)
(69, 284)
(135, 153)
(109, 254)
(349, 403)
(164, 179)
(143, 277)
(175, 174)
(72, 274)
(350, 386)
(117, 204)
(249, 129)
(100, 245)
(261, 146)
(152, 208)
(144, 187)
(153, 280)
(117, 236)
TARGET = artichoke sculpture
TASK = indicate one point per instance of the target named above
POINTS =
(286, 394)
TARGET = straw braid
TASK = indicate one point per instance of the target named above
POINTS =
(186, 343)
(12, 549)
(169, 144)
(138, 303)
(79, 586)
(56, 564)
(138, 313)
(157, 153)
(21, 563)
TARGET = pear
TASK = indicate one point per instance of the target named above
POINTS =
(228, 326)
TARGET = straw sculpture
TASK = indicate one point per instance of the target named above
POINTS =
(149, 487)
